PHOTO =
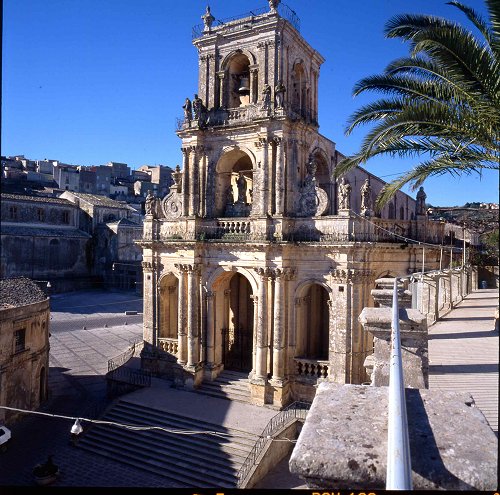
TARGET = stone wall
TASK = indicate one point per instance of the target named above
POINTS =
(24, 369)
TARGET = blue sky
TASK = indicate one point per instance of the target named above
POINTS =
(92, 81)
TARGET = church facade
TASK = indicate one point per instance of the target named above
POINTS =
(259, 260)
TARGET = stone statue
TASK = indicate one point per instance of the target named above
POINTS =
(279, 94)
(230, 195)
(273, 5)
(149, 204)
(242, 188)
(188, 114)
(208, 20)
(266, 97)
(366, 198)
(197, 107)
(344, 195)
(421, 197)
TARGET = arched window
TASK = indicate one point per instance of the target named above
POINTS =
(300, 92)
(391, 211)
(237, 92)
(401, 213)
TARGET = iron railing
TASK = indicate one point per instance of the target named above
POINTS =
(125, 356)
(283, 10)
(398, 443)
(295, 411)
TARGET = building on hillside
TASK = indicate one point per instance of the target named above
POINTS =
(114, 228)
(41, 240)
(258, 260)
(24, 346)
(66, 176)
(160, 175)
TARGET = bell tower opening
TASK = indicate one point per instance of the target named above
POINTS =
(238, 81)
(234, 185)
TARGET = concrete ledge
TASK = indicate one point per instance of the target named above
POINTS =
(343, 444)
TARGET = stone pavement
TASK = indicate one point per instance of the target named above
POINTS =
(464, 352)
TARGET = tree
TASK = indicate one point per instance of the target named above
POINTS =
(441, 103)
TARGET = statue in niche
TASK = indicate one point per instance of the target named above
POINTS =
(266, 97)
(150, 203)
(188, 113)
(279, 94)
(344, 195)
(242, 188)
(421, 197)
(229, 195)
(310, 179)
(366, 198)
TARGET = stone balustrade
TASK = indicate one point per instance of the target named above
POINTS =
(169, 345)
(311, 368)
(325, 229)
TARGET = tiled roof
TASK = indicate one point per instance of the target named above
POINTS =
(41, 231)
(17, 292)
(37, 199)
(97, 200)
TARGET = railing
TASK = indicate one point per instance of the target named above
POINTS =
(122, 358)
(311, 368)
(250, 17)
(398, 444)
(169, 345)
(130, 376)
(295, 411)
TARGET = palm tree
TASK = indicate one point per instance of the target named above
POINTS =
(442, 102)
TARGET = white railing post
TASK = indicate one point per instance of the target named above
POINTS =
(398, 444)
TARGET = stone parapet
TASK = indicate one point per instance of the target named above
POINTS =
(414, 345)
(343, 444)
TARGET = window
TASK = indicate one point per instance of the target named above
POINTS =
(20, 340)
(40, 213)
(12, 212)
(65, 217)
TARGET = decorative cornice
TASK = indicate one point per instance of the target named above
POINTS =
(264, 272)
(352, 275)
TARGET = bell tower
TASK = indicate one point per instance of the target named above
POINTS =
(250, 135)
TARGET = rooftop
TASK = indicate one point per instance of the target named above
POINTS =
(17, 292)
(37, 199)
(96, 200)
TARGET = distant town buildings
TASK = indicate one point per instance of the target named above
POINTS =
(114, 179)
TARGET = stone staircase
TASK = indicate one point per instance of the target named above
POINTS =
(200, 460)
(231, 385)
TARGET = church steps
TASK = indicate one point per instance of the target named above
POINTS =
(189, 460)
(163, 450)
(161, 466)
(231, 385)
(233, 447)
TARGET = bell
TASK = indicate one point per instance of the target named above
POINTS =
(244, 85)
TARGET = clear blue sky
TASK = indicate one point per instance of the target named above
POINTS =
(92, 81)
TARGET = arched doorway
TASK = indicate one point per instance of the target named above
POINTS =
(237, 320)
(169, 295)
(313, 324)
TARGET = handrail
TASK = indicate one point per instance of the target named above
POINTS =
(297, 410)
(122, 358)
(398, 444)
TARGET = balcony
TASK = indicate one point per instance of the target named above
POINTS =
(328, 229)
(311, 370)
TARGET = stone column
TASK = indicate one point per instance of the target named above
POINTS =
(181, 317)
(280, 186)
(266, 176)
(254, 86)
(261, 331)
(279, 328)
(220, 90)
(149, 289)
(192, 317)
(202, 210)
(255, 301)
(194, 197)
(185, 181)
(210, 330)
